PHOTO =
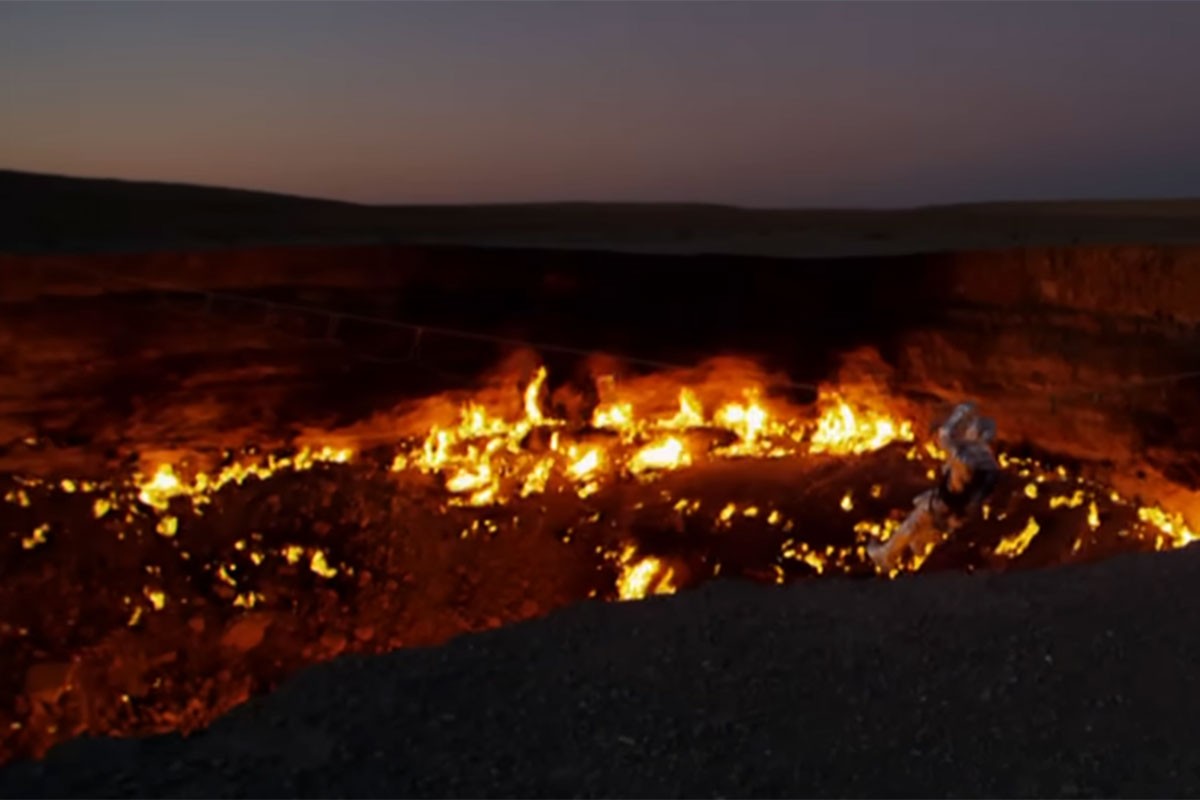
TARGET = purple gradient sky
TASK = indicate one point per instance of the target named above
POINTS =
(761, 104)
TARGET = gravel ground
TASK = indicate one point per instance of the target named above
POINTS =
(1078, 681)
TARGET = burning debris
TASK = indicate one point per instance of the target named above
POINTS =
(128, 601)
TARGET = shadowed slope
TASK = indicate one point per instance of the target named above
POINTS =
(1076, 681)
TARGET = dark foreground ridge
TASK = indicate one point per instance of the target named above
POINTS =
(1075, 681)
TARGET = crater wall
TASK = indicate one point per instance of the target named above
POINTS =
(1065, 346)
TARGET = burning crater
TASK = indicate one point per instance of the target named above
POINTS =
(158, 599)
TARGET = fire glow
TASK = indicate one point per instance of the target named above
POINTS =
(703, 465)
(485, 457)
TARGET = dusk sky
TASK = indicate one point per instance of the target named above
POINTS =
(750, 103)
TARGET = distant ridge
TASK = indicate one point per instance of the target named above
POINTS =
(53, 213)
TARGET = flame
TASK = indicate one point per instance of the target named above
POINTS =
(319, 565)
(470, 479)
(643, 576)
(1170, 524)
(470, 455)
(614, 416)
(585, 465)
(877, 530)
(157, 598)
(166, 483)
(690, 414)
(843, 431)
(485, 458)
(1074, 500)
(38, 537)
(535, 482)
(490, 457)
(747, 420)
(159, 490)
(491, 449)
(1015, 545)
(664, 454)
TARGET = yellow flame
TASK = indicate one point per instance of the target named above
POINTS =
(157, 598)
(585, 465)
(690, 414)
(614, 416)
(746, 420)
(1172, 525)
(320, 565)
(1015, 545)
(533, 408)
(168, 526)
(664, 454)
(38, 537)
(488, 457)
(100, 507)
(644, 576)
(842, 431)
(158, 491)
(535, 481)
(1074, 500)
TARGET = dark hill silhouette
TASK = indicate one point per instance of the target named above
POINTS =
(64, 214)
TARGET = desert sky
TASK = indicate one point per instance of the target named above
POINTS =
(877, 104)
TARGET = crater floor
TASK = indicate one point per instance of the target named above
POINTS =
(156, 601)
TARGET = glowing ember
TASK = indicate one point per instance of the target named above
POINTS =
(1015, 545)
(617, 416)
(1170, 524)
(36, 538)
(683, 480)
(585, 465)
(643, 576)
(159, 490)
(665, 454)
(320, 566)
